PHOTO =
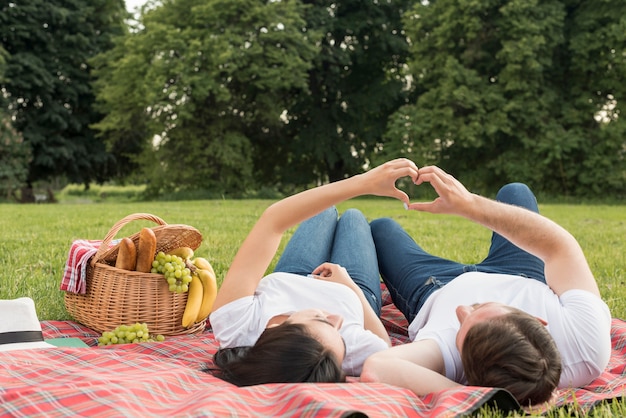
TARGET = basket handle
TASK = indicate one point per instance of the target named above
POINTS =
(104, 246)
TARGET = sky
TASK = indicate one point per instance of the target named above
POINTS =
(131, 5)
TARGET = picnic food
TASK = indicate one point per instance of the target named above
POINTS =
(175, 270)
(194, 302)
(127, 334)
(145, 250)
(203, 263)
(209, 291)
(183, 252)
(126, 255)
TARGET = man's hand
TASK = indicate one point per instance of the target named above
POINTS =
(453, 198)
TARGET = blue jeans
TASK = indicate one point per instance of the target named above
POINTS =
(346, 241)
(412, 275)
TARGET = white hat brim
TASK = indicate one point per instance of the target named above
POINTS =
(24, 346)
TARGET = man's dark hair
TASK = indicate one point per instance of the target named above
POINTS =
(515, 352)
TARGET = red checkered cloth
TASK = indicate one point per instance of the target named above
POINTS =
(170, 378)
(75, 272)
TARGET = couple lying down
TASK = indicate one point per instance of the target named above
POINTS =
(529, 318)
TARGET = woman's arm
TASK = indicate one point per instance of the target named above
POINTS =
(417, 366)
(260, 246)
(335, 273)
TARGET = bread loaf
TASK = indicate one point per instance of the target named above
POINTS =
(146, 250)
(126, 255)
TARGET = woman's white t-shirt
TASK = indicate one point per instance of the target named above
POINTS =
(579, 322)
(241, 322)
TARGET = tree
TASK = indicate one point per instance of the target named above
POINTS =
(47, 84)
(198, 78)
(14, 159)
(334, 129)
(14, 156)
(514, 91)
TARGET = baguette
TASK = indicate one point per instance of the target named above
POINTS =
(146, 250)
(126, 255)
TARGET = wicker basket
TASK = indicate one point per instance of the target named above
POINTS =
(116, 297)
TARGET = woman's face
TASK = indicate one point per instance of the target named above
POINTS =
(324, 327)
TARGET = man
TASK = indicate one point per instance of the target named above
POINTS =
(529, 318)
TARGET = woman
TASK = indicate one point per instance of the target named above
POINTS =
(315, 319)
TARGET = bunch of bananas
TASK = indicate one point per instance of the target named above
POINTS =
(202, 288)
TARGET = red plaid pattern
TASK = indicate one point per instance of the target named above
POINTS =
(75, 271)
(167, 379)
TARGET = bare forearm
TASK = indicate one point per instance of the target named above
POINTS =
(528, 230)
(406, 374)
(371, 321)
(564, 260)
(294, 209)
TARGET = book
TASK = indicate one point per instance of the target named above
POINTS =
(66, 342)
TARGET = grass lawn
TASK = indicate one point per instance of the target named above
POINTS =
(36, 239)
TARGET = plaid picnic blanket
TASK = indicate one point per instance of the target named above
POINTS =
(170, 378)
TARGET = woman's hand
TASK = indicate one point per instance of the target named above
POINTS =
(335, 273)
(331, 272)
(381, 181)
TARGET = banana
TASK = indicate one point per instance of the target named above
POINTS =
(203, 264)
(183, 252)
(194, 301)
(209, 285)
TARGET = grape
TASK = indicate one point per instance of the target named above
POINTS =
(174, 269)
(127, 334)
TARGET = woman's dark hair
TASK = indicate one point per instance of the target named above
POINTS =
(283, 354)
(515, 352)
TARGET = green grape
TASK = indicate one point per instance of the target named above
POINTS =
(127, 334)
(175, 270)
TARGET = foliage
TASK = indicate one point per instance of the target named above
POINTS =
(335, 126)
(14, 159)
(233, 96)
(14, 155)
(199, 76)
(47, 84)
(99, 193)
(228, 88)
(517, 91)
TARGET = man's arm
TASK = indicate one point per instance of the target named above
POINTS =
(417, 366)
(565, 264)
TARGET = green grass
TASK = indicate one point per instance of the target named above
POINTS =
(36, 239)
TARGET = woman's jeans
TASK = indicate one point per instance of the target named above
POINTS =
(412, 275)
(346, 241)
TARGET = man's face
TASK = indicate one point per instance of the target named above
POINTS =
(471, 315)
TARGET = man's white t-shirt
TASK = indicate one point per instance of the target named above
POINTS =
(241, 322)
(579, 322)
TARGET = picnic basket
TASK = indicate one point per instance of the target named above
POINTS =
(117, 297)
